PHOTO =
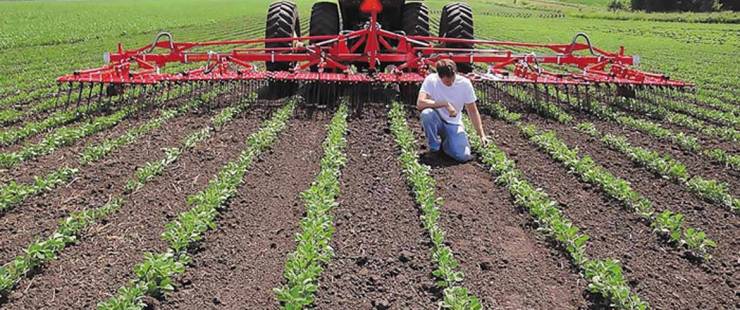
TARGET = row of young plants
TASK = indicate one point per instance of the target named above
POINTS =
(718, 101)
(667, 167)
(684, 141)
(67, 135)
(313, 251)
(15, 193)
(536, 102)
(42, 96)
(605, 277)
(94, 153)
(726, 133)
(13, 135)
(152, 169)
(449, 278)
(590, 172)
(40, 252)
(154, 275)
(718, 117)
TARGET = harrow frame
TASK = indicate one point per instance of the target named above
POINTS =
(389, 58)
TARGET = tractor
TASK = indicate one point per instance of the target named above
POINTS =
(403, 17)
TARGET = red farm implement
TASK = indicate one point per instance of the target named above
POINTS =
(362, 53)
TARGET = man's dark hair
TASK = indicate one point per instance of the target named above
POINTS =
(446, 68)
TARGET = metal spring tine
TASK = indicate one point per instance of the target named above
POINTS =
(100, 94)
(89, 93)
(79, 95)
(69, 94)
(59, 91)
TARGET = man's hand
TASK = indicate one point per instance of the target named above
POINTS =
(484, 140)
(451, 110)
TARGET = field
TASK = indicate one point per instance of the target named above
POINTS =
(212, 197)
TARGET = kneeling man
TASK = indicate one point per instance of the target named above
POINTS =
(440, 101)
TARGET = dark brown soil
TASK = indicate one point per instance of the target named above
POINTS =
(67, 155)
(240, 263)
(717, 221)
(705, 140)
(104, 259)
(505, 261)
(656, 271)
(696, 163)
(92, 187)
(39, 137)
(383, 255)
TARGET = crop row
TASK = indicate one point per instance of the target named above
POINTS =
(153, 276)
(726, 102)
(423, 186)
(66, 136)
(59, 118)
(313, 250)
(619, 189)
(41, 252)
(726, 133)
(684, 141)
(718, 117)
(668, 167)
(14, 193)
(605, 277)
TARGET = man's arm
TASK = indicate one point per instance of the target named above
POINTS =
(425, 102)
(472, 109)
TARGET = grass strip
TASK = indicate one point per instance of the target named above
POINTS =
(605, 277)
(667, 167)
(423, 186)
(313, 244)
(153, 276)
(68, 231)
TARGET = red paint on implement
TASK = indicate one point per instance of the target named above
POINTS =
(371, 6)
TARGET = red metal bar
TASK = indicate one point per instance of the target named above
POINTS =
(335, 55)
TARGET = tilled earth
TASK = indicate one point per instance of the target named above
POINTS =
(382, 252)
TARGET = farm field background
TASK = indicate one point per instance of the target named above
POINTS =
(207, 197)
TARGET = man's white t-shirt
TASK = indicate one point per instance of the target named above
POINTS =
(459, 94)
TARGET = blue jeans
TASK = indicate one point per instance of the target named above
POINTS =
(451, 138)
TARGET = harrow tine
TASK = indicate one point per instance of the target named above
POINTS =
(79, 94)
(58, 94)
(89, 93)
(69, 95)
(100, 93)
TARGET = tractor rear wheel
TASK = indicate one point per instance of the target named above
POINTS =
(324, 21)
(282, 22)
(415, 21)
(457, 22)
